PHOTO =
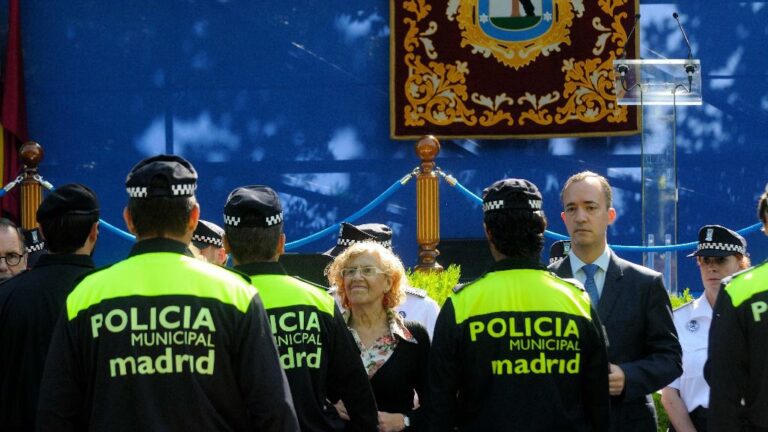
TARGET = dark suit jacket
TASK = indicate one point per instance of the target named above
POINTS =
(635, 310)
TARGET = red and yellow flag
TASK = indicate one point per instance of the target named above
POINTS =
(13, 117)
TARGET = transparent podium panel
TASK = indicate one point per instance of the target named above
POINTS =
(657, 82)
(659, 190)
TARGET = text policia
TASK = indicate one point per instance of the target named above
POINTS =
(554, 339)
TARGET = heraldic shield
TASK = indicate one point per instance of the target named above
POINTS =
(509, 68)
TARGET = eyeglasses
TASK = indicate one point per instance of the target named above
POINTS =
(12, 259)
(367, 271)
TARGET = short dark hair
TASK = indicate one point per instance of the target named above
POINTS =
(604, 185)
(161, 215)
(253, 244)
(517, 233)
(762, 207)
(67, 233)
(10, 225)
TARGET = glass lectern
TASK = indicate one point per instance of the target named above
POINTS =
(659, 86)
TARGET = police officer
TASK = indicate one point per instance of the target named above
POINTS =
(418, 306)
(69, 218)
(721, 252)
(316, 349)
(207, 239)
(161, 340)
(737, 369)
(559, 250)
(519, 347)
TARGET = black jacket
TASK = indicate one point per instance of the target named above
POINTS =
(737, 366)
(316, 350)
(518, 349)
(403, 373)
(635, 310)
(163, 341)
(30, 305)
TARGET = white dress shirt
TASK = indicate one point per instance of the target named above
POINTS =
(602, 263)
(692, 322)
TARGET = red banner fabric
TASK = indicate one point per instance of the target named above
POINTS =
(13, 116)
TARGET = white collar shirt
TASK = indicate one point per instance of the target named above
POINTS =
(602, 263)
(692, 322)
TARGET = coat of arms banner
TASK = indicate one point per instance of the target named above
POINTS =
(509, 68)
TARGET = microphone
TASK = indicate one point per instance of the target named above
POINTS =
(690, 68)
(623, 68)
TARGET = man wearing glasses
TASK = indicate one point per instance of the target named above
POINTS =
(68, 218)
(13, 259)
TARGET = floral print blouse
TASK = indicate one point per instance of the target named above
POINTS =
(381, 350)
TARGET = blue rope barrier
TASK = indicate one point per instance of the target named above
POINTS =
(556, 236)
(360, 213)
(116, 230)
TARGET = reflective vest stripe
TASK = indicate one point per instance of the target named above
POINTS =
(747, 285)
(519, 290)
(161, 274)
(279, 291)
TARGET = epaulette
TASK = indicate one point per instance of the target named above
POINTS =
(416, 292)
(688, 303)
(309, 282)
(571, 281)
(237, 272)
(728, 279)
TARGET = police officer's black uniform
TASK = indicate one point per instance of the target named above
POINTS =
(518, 349)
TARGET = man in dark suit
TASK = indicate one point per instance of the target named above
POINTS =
(643, 349)
(33, 300)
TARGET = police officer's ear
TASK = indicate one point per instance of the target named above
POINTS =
(129, 221)
(225, 242)
(194, 217)
(487, 234)
(281, 245)
(93, 235)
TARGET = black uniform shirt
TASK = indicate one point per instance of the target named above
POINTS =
(316, 350)
(159, 342)
(31, 303)
(518, 349)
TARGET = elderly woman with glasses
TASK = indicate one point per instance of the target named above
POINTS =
(720, 253)
(370, 281)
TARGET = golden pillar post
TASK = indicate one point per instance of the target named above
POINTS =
(31, 190)
(428, 205)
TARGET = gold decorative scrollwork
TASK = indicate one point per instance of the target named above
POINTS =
(437, 93)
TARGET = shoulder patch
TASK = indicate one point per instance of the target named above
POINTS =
(309, 282)
(415, 291)
(239, 273)
(571, 281)
(683, 306)
(728, 279)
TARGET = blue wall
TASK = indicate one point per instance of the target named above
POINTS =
(294, 95)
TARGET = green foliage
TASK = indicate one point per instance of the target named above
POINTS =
(438, 285)
(680, 299)
(663, 419)
(676, 300)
